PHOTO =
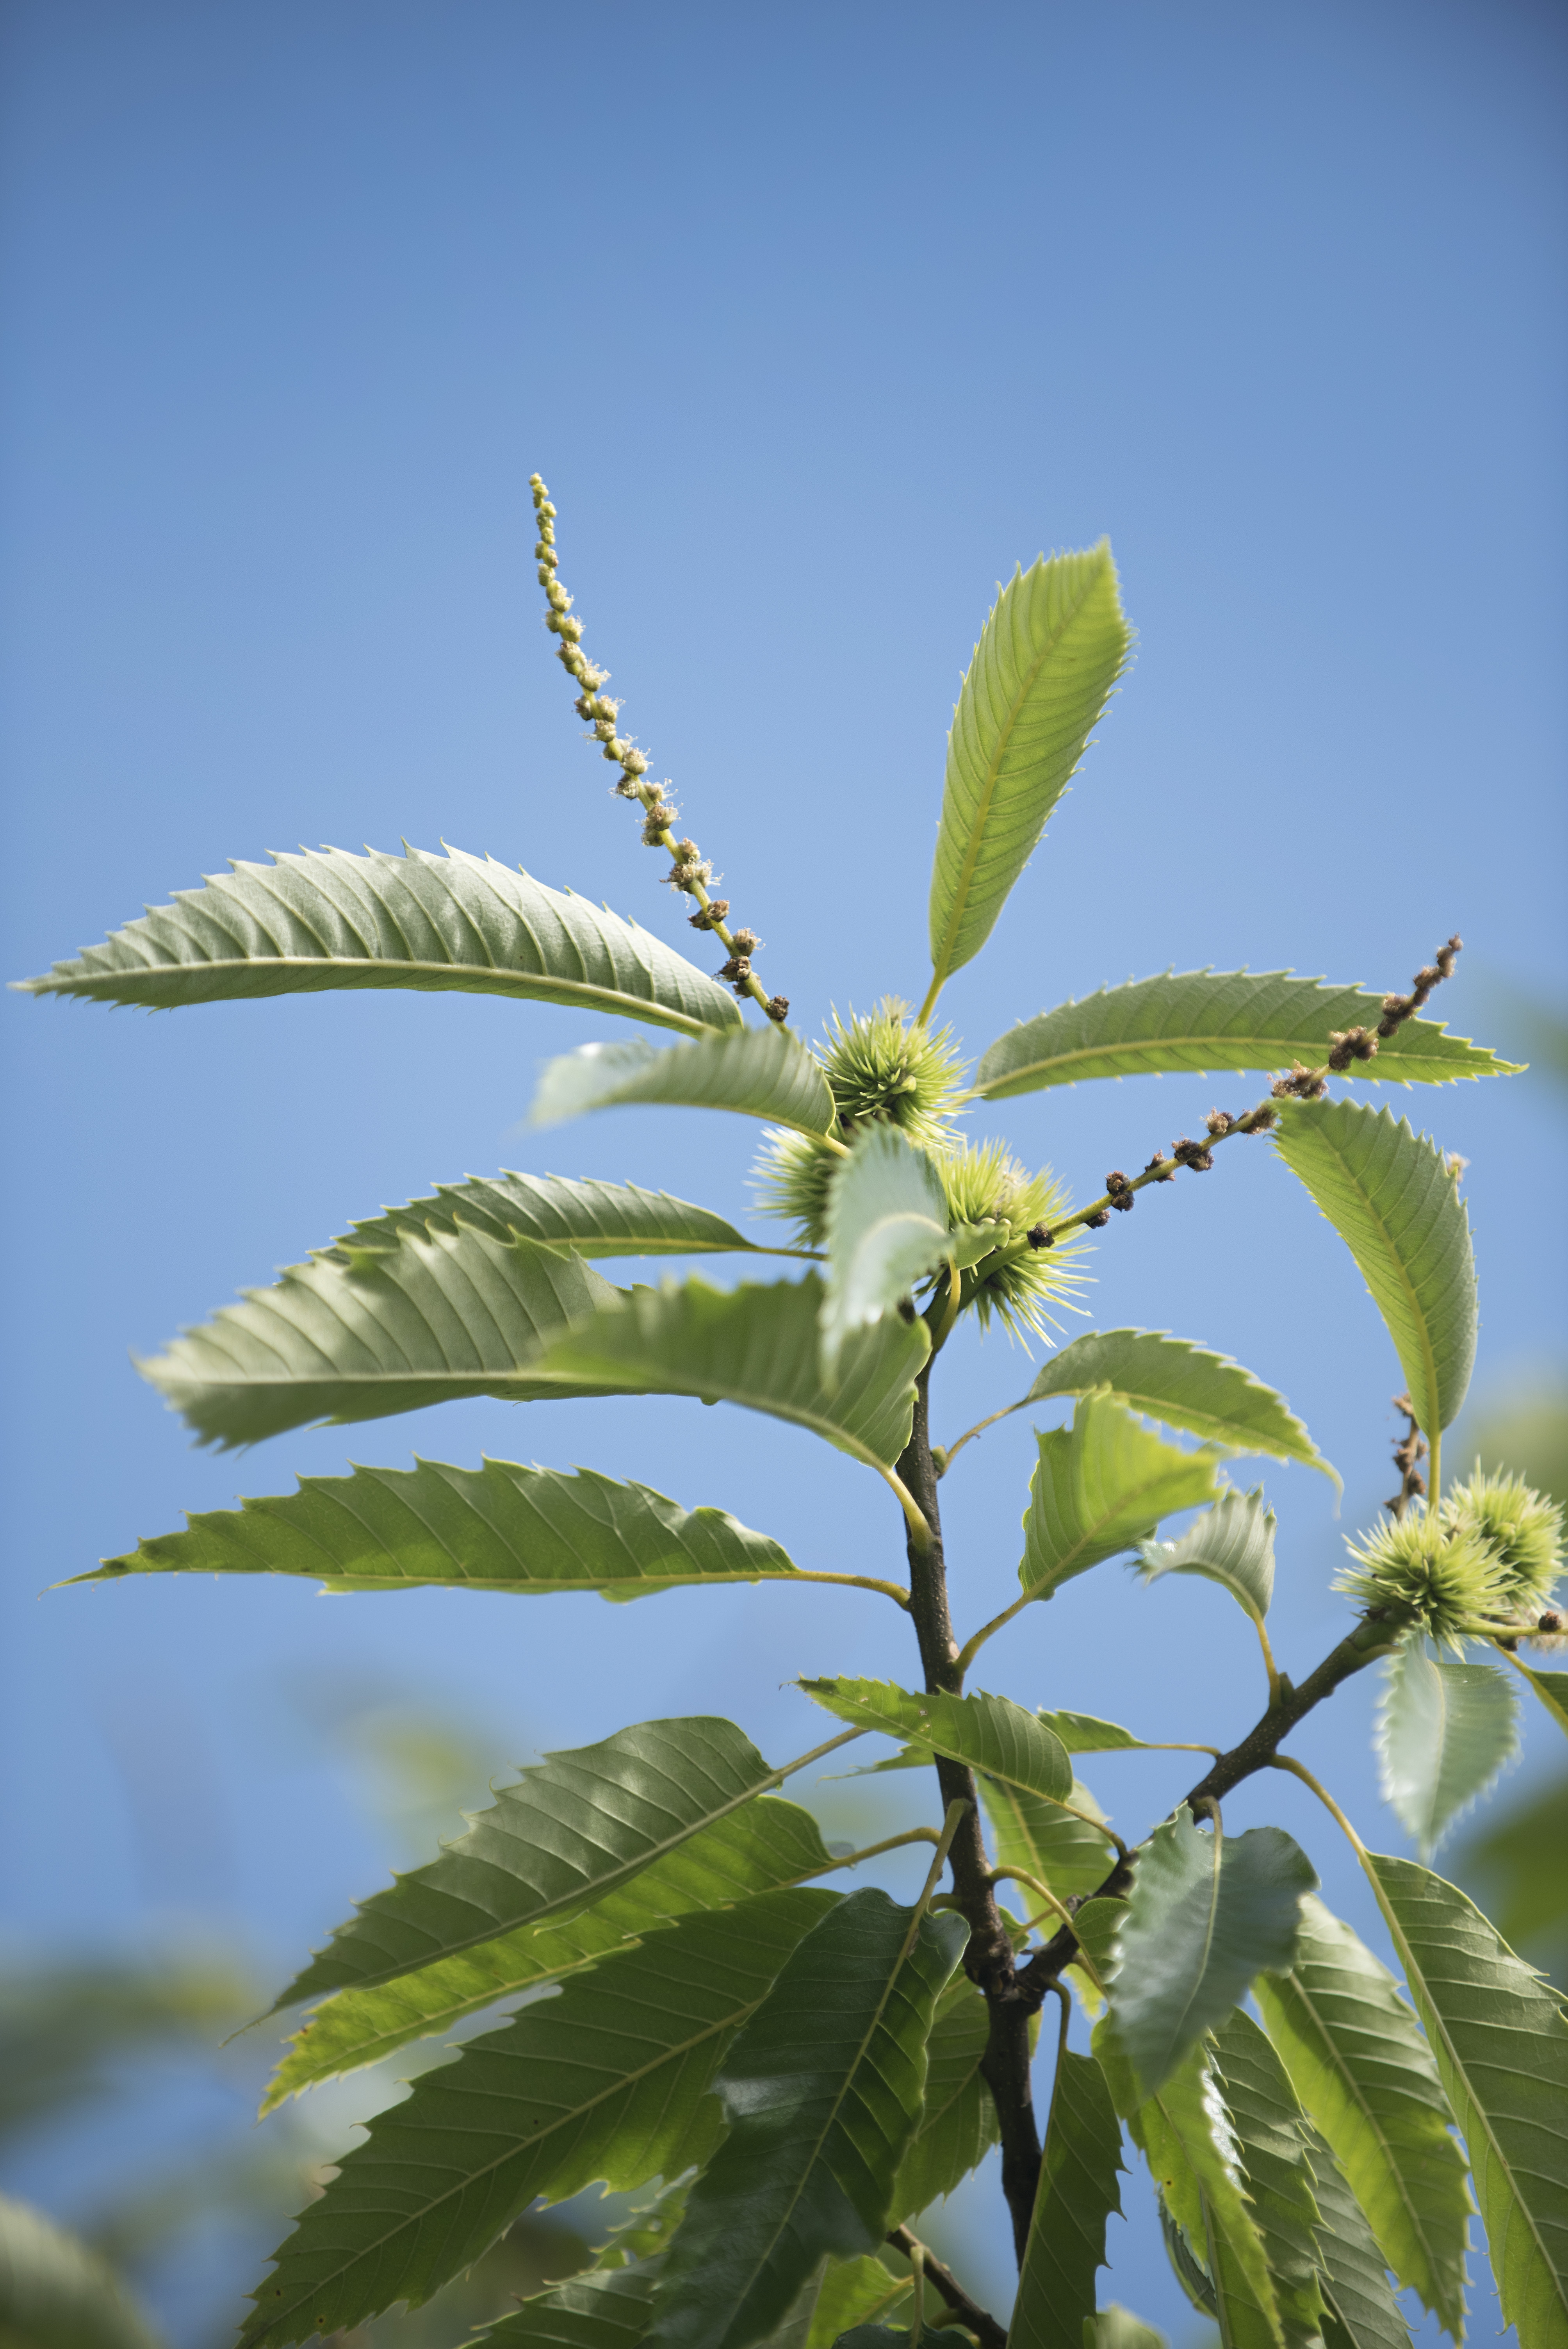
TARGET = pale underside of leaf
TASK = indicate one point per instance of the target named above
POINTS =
(1444, 1731)
(1045, 667)
(1184, 1387)
(595, 1219)
(887, 1225)
(1201, 1020)
(544, 2107)
(1502, 2045)
(1099, 1488)
(497, 1527)
(435, 1321)
(1393, 1199)
(1230, 1543)
(1362, 2068)
(330, 919)
(1207, 1913)
(990, 1733)
(574, 1828)
(756, 1346)
(1271, 2143)
(1552, 1688)
(1354, 2273)
(1067, 1853)
(765, 1072)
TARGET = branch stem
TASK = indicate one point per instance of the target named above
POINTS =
(985, 2329)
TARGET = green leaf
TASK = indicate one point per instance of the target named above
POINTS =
(1099, 1487)
(1230, 1543)
(1364, 2072)
(1390, 1195)
(760, 1847)
(1116, 2328)
(1206, 1913)
(54, 2293)
(436, 1321)
(1083, 1732)
(755, 1346)
(595, 1219)
(548, 2105)
(1184, 1387)
(325, 918)
(1353, 2274)
(1444, 1731)
(1199, 1020)
(577, 1826)
(1502, 2045)
(822, 2092)
(958, 2121)
(1184, 2132)
(991, 1734)
(1076, 2194)
(1552, 1688)
(1271, 2141)
(498, 1527)
(1043, 671)
(757, 1071)
(1069, 1855)
(887, 1225)
(605, 2309)
(854, 2291)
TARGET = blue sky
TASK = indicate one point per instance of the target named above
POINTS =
(816, 320)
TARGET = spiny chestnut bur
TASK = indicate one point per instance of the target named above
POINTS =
(794, 2068)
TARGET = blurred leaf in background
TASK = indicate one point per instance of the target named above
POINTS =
(1515, 1860)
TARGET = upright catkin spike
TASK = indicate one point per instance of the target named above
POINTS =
(690, 872)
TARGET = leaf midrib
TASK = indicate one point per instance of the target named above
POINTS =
(1127, 1048)
(971, 855)
(1093, 1532)
(486, 979)
(1439, 2029)
(1342, 2071)
(1428, 1358)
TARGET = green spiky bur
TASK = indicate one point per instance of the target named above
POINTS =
(1523, 1531)
(1449, 1583)
(1019, 1284)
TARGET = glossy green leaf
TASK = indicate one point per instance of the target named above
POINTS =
(1047, 659)
(1184, 1387)
(327, 919)
(576, 1826)
(1070, 1854)
(991, 1734)
(1552, 1688)
(1364, 2072)
(1084, 1732)
(763, 1072)
(547, 2105)
(1207, 1912)
(755, 1346)
(958, 2120)
(1444, 1731)
(1199, 1020)
(498, 1527)
(1100, 1486)
(1391, 1197)
(822, 2092)
(1360, 2310)
(887, 1225)
(595, 1219)
(1272, 2148)
(56, 2294)
(433, 1321)
(765, 1845)
(1230, 1543)
(1184, 2133)
(1076, 2194)
(1502, 2045)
